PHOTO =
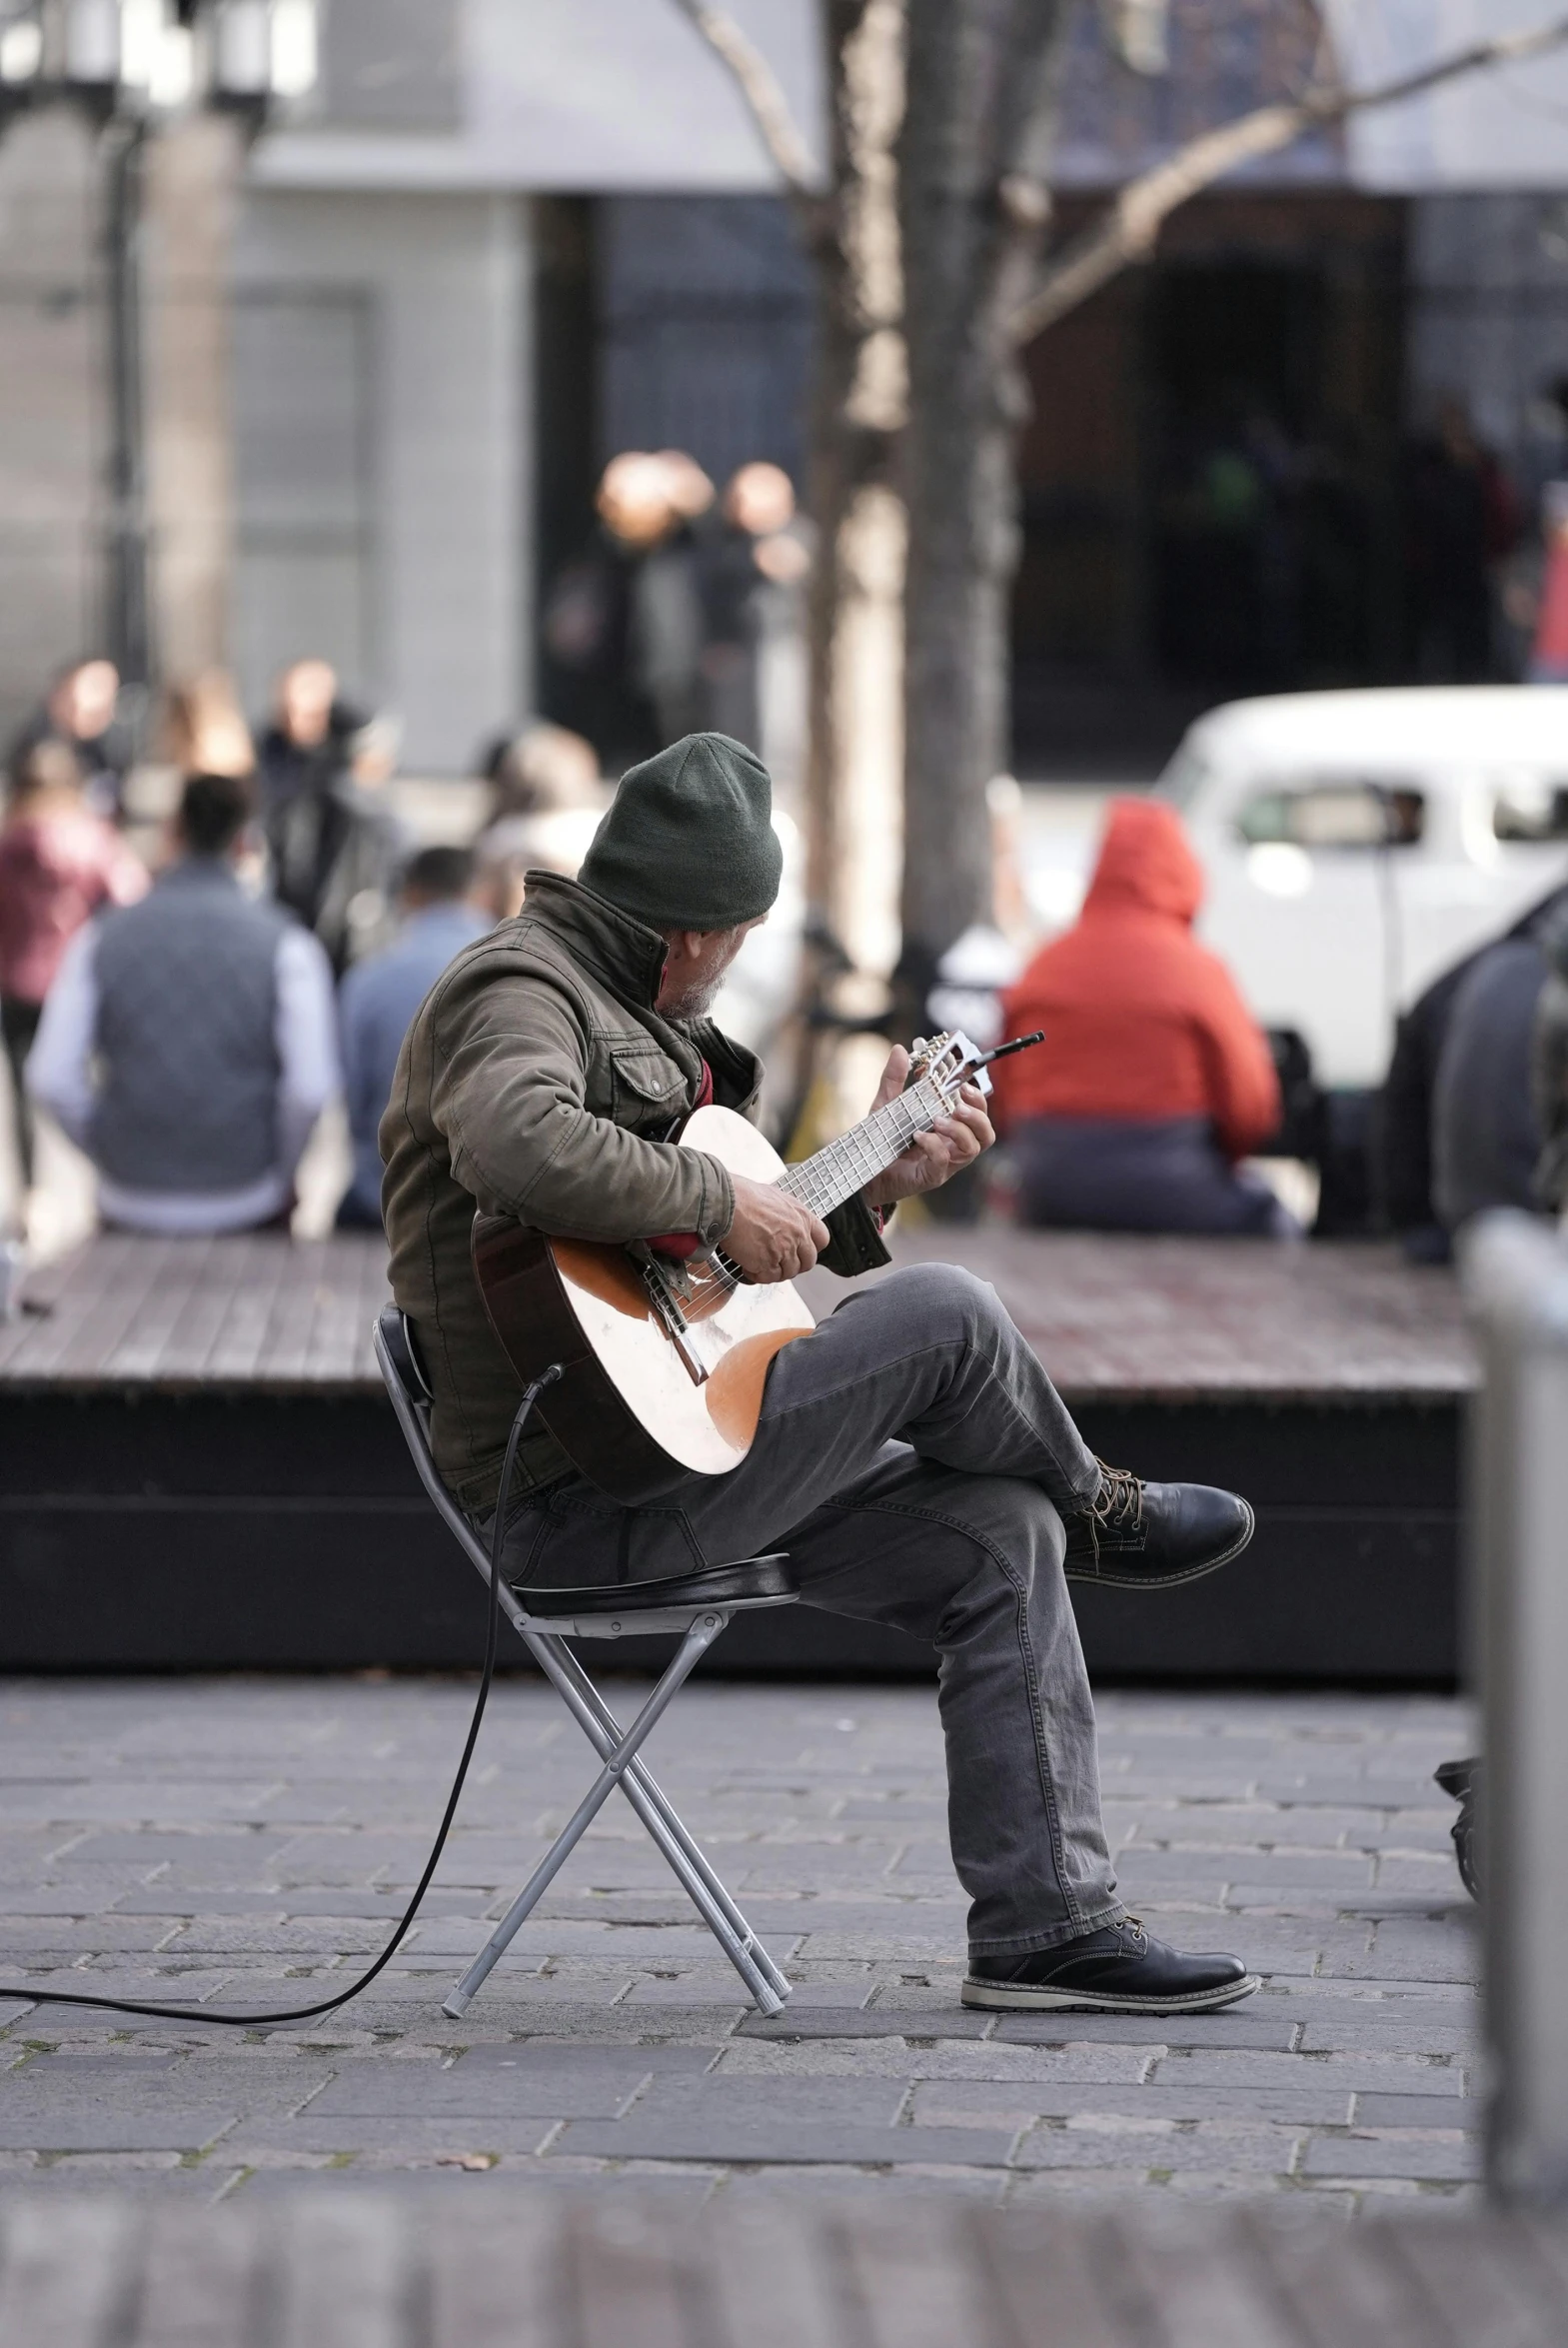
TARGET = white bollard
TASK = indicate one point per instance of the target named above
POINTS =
(1516, 1277)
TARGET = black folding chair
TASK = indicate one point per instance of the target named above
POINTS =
(698, 1605)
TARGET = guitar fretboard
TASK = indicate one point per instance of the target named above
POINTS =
(867, 1149)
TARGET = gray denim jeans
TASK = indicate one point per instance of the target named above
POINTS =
(908, 1459)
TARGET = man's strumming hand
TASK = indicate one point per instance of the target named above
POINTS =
(773, 1237)
(932, 1157)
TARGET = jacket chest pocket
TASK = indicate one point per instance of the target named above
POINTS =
(646, 1090)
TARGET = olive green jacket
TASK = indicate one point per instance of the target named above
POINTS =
(538, 1081)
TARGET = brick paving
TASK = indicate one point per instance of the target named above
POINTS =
(249, 1842)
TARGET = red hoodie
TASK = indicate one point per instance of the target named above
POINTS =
(1140, 1019)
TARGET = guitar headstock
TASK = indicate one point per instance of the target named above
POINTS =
(945, 1062)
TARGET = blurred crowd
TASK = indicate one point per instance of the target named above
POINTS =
(682, 613)
(185, 998)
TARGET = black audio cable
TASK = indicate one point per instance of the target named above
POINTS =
(306, 2013)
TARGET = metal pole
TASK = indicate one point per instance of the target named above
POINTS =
(128, 615)
(1516, 1273)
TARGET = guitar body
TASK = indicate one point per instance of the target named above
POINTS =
(637, 1410)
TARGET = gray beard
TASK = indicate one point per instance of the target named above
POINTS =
(696, 1002)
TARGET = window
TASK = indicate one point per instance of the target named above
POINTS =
(1531, 807)
(1184, 775)
(1334, 815)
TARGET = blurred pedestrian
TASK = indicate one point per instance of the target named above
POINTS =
(1154, 1080)
(1549, 646)
(1541, 474)
(188, 1043)
(623, 619)
(59, 863)
(752, 569)
(1464, 522)
(82, 711)
(549, 798)
(378, 1000)
(543, 770)
(333, 846)
(1485, 1138)
(1404, 1123)
(304, 747)
(1549, 1067)
(204, 728)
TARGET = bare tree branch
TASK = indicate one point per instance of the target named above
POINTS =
(1128, 231)
(765, 102)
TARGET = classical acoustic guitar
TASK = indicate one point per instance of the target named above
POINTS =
(664, 1356)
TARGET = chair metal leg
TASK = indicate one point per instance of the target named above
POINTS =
(685, 1856)
(765, 1985)
(699, 1638)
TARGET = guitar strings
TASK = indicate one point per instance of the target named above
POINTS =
(813, 1181)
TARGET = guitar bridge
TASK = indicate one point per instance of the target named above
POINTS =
(671, 1316)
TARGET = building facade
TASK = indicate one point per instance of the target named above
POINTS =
(510, 237)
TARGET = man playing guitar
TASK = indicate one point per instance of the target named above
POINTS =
(912, 1455)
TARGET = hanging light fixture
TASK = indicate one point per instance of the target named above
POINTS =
(130, 66)
(150, 59)
(21, 51)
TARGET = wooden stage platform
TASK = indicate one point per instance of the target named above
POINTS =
(198, 1467)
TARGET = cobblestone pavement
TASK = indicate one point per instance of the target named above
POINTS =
(250, 1842)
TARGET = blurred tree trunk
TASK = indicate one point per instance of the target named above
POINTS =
(973, 205)
(193, 174)
(925, 245)
(854, 770)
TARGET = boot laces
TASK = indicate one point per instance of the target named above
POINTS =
(1118, 1507)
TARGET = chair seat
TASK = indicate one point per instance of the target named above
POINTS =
(751, 1582)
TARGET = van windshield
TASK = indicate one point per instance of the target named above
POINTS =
(1185, 776)
(1335, 813)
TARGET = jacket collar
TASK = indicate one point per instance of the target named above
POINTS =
(628, 959)
(621, 952)
(199, 872)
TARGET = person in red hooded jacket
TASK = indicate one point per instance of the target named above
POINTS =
(1154, 1079)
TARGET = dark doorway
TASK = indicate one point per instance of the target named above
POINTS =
(1233, 370)
(1208, 481)
(566, 367)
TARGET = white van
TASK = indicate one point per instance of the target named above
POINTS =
(1356, 844)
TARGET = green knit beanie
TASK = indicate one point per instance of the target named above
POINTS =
(688, 843)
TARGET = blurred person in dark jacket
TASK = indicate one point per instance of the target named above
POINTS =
(306, 747)
(622, 621)
(82, 711)
(1155, 1080)
(1485, 1138)
(1403, 1144)
(749, 565)
(334, 848)
(1463, 520)
(378, 1000)
(1549, 1065)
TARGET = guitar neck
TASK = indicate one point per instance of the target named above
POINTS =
(867, 1149)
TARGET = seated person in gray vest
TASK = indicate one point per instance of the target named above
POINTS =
(190, 1047)
(912, 1456)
